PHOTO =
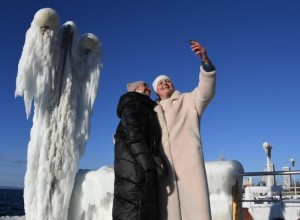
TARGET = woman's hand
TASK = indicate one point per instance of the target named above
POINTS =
(199, 51)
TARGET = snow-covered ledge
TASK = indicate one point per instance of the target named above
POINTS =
(92, 195)
(93, 191)
(225, 184)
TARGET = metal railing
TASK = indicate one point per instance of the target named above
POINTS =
(279, 194)
(270, 173)
(285, 190)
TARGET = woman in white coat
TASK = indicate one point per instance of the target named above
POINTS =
(184, 192)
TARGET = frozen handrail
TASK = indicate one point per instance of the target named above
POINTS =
(270, 173)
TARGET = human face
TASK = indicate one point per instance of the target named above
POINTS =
(143, 88)
(165, 89)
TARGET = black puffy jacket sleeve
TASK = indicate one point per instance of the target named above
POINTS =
(134, 119)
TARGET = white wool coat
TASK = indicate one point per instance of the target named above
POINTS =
(184, 192)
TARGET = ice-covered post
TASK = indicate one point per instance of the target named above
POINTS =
(294, 179)
(268, 147)
(59, 73)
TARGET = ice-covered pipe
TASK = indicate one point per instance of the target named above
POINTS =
(47, 18)
(88, 42)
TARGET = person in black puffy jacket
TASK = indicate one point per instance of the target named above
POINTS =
(137, 139)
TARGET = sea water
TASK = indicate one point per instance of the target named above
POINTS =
(11, 202)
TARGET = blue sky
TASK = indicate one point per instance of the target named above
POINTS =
(254, 44)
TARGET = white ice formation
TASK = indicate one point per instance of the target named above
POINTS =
(59, 72)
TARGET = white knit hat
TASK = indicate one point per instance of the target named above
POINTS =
(157, 79)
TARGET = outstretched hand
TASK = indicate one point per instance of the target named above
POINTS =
(199, 51)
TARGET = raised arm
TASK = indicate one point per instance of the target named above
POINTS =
(206, 88)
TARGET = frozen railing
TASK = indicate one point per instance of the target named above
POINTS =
(284, 190)
(270, 202)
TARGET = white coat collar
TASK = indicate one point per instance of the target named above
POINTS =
(174, 96)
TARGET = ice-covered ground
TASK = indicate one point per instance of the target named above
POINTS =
(12, 218)
(93, 191)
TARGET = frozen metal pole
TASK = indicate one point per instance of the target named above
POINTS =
(268, 147)
(293, 165)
